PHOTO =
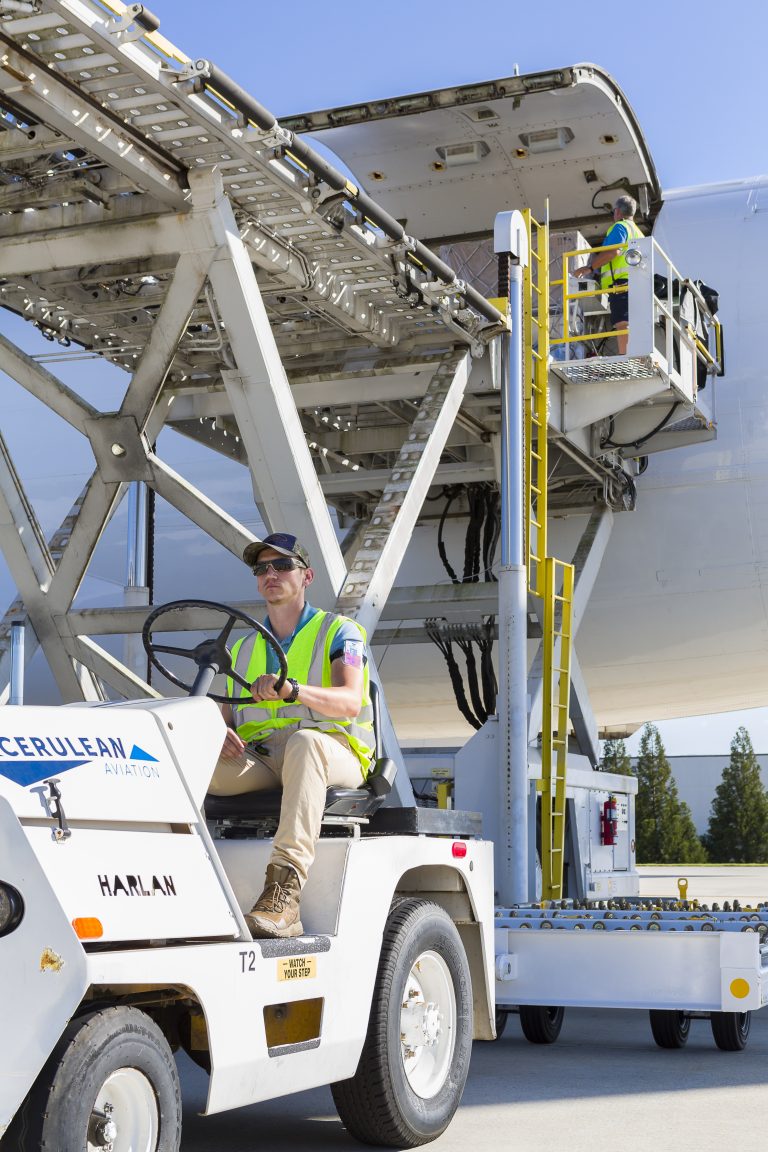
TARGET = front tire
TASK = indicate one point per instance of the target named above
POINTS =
(731, 1030)
(111, 1080)
(415, 1059)
(670, 1028)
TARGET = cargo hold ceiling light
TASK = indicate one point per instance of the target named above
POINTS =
(469, 152)
(546, 140)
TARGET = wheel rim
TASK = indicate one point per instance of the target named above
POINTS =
(125, 1115)
(428, 1024)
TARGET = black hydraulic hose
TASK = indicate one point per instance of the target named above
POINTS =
(608, 443)
(450, 495)
(232, 93)
(491, 532)
(487, 672)
(467, 647)
(476, 499)
(453, 671)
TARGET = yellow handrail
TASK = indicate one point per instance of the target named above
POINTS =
(558, 636)
(536, 373)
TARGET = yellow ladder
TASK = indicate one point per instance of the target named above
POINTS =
(536, 369)
(558, 618)
(545, 574)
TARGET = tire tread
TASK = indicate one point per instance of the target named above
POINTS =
(367, 1102)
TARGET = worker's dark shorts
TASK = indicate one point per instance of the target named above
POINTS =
(619, 305)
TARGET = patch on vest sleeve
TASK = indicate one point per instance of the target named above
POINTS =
(353, 653)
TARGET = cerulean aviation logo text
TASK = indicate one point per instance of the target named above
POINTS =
(29, 759)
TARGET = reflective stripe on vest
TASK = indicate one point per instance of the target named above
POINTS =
(616, 269)
(309, 662)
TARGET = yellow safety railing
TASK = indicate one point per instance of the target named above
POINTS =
(666, 313)
(558, 622)
(581, 295)
(536, 369)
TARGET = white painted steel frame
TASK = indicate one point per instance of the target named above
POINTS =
(684, 971)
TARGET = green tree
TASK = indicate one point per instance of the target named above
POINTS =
(664, 830)
(616, 758)
(738, 820)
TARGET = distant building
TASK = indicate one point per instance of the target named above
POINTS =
(697, 778)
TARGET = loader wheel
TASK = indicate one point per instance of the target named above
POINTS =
(541, 1025)
(111, 1082)
(731, 1030)
(670, 1028)
(415, 1058)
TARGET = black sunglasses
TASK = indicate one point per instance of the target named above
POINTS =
(281, 564)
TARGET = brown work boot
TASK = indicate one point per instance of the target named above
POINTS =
(276, 912)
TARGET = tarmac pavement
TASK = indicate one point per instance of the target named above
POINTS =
(604, 1084)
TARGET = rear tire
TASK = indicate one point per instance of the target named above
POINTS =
(731, 1030)
(111, 1074)
(415, 1059)
(541, 1024)
(502, 1016)
(670, 1028)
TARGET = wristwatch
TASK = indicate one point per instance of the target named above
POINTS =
(293, 695)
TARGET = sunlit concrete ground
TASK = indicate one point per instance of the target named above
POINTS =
(604, 1084)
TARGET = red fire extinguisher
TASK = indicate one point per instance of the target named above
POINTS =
(609, 821)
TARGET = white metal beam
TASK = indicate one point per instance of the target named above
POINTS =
(43, 385)
(196, 506)
(168, 329)
(391, 525)
(270, 429)
(31, 567)
(92, 244)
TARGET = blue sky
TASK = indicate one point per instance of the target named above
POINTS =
(695, 83)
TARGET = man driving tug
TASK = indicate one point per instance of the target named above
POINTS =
(313, 733)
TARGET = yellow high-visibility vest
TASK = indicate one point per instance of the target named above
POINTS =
(616, 269)
(309, 662)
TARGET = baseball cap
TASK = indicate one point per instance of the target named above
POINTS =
(281, 542)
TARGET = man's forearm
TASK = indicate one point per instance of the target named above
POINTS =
(336, 703)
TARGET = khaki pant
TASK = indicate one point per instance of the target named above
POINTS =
(305, 762)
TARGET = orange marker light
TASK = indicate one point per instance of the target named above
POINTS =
(88, 928)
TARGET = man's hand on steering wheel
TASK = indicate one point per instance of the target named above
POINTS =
(266, 688)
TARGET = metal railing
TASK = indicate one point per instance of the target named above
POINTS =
(670, 320)
(558, 636)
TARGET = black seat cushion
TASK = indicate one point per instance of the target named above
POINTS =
(265, 805)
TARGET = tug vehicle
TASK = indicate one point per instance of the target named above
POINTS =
(122, 936)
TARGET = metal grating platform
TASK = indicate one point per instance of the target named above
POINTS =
(605, 369)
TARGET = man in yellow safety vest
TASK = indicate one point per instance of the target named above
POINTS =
(610, 266)
(314, 733)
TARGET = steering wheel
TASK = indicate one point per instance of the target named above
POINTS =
(210, 656)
